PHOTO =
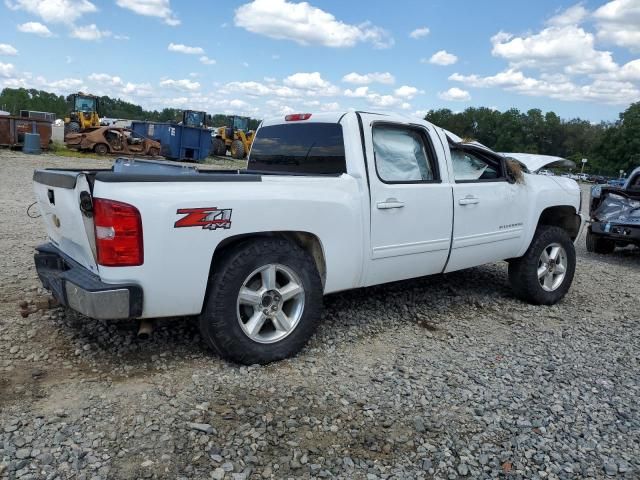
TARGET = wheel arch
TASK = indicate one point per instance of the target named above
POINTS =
(308, 241)
(563, 216)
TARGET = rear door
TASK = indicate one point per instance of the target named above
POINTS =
(411, 206)
(489, 211)
(59, 195)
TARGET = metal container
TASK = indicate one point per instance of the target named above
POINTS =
(13, 130)
(178, 142)
(32, 143)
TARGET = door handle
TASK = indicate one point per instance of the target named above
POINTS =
(469, 200)
(390, 203)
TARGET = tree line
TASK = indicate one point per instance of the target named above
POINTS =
(608, 146)
(13, 100)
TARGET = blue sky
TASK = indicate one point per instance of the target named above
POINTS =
(270, 57)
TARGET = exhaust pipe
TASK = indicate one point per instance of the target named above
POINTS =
(145, 329)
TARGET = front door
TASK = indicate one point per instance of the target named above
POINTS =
(489, 211)
(411, 208)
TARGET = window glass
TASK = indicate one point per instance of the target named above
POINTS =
(313, 148)
(469, 167)
(401, 155)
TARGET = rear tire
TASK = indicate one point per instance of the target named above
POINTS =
(543, 275)
(237, 149)
(244, 272)
(154, 152)
(101, 149)
(596, 244)
(219, 147)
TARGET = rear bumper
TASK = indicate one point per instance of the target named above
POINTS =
(77, 288)
(617, 231)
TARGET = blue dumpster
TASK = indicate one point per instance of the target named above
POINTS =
(178, 142)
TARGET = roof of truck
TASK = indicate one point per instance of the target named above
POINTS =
(334, 117)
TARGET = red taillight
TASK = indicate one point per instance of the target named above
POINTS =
(294, 117)
(118, 229)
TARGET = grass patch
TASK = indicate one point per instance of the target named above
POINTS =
(225, 163)
(60, 149)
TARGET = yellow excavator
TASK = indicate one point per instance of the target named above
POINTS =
(83, 113)
(236, 138)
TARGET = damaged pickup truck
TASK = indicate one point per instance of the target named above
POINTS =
(615, 216)
(329, 202)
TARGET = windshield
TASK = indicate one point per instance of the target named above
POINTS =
(241, 123)
(85, 104)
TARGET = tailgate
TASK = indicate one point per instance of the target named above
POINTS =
(59, 194)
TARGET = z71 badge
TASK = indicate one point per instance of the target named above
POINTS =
(207, 218)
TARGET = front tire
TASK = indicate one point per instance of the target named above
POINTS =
(596, 244)
(543, 275)
(264, 301)
(237, 150)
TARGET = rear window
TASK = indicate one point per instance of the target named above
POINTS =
(311, 148)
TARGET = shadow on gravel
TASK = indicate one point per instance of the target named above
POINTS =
(625, 257)
(427, 302)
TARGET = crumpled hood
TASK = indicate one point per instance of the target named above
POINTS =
(535, 162)
(618, 207)
(531, 161)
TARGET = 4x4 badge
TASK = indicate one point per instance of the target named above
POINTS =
(208, 218)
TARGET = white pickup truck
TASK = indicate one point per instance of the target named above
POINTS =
(329, 202)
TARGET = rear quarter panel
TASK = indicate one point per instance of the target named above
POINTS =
(177, 261)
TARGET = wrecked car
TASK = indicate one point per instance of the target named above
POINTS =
(122, 141)
(615, 215)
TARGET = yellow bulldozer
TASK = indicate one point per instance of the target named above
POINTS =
(235, 138)
(83, 113)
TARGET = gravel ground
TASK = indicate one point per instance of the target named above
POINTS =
(443, 377)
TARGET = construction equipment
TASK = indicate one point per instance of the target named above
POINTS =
(83, 113)
(237, 138)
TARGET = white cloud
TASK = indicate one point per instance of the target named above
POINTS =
(569, 47)
(187, 50)
(113, 85)
(618, 22)
(611, 89)
(184, 84)
(420, 32)
(330, 107)
(36, 28)
(360, 92)
(367, 78)
(206, 60)
(54, 11)
(151, 8)
(257, 89)
(384, 101)
(121, 37)
(238, 103)
(312, 82)
(89, 32)
(66, 84)
(442, 57)
(455, 94)
(306, 25)
(631, 71)
(573, 15)
(6, 69)
(6, 49)
(406, 91)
